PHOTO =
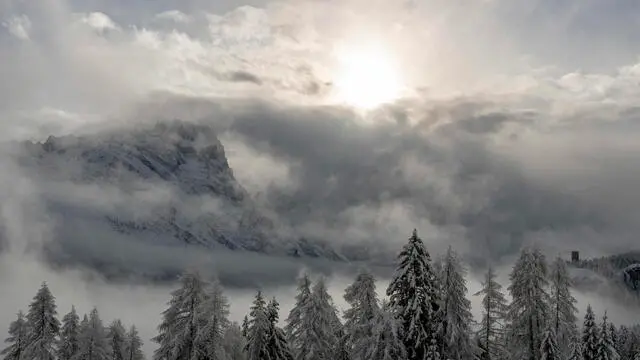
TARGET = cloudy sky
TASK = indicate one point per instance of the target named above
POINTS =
(486, 124)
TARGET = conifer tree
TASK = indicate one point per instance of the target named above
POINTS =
(387, 341)
(297, 328)
(93, 342)
(213, 321)
(457, 309)
(575, 348)
(17, 340)
(549, 347)
(68, 344)
(116, 336)
(414, 300)
(529, 309)
(43, 325)
(563, 309)
(179, 327)
(234, 342)
(133, 345)
(625, 343)
(361, 317)
(590, 336)
(323, 324)
(606, 347)
(277, 343)
(494, 309)
(342, 351)
(257, 347)
(245, 326)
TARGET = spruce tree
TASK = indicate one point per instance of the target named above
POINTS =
(257, 347)
(456, 308)
(116, 336)
(133, 345)
(606, 347)
(68, 344)
(17, 340)
(297, 328)
(179, 327)
(323, 323)
(245, 326)
(212, 322)
(414, 300)
(549, 347)
(44, 327)
(575, 348)
(492, 327)
(563, 308)
(234, 342)
(590, 336)
(278, 348)
(529, 307)
(93, 342)
(361, 317)
(387, 343)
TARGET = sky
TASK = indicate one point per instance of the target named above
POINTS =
(488, 125)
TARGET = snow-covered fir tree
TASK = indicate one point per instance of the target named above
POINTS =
(133, 345)
(277, 343)
(549, 347)
(606, 346)
(575, 348)
(457, 309)
(234, 342)
(212, 322)
(116, 336)
(491, 334)
(324, 323)
(257, 347)
(68, 343)
(590, 336)
(297, 326)
(387, 341)
(360, 318)
(529, 308)
(93, 341)
(342, 350)
(414, 300)
(179, 327)
(615, 338)
(17, 340)
(626, 342)
(44, 327)
(563, 308)
(245, 326)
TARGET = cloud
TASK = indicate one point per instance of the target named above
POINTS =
(520, 126)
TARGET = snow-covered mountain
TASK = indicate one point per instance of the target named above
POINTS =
(166, 185)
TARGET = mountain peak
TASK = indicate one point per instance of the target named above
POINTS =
(168, 184)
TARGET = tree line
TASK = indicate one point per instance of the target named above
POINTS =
(425, 315)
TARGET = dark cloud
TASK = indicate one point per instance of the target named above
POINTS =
(243, 76)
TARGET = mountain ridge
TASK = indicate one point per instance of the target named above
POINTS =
(166, 184)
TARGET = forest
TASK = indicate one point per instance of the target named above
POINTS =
(425, 315)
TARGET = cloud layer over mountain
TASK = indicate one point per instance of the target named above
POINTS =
(502, 142)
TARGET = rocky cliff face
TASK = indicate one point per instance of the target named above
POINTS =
(166, 185)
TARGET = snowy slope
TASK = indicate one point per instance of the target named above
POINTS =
(166, 185)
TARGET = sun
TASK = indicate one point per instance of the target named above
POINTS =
(367, 76)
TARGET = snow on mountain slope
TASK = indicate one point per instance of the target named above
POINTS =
(167, 185)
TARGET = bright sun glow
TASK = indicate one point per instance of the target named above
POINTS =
(366, 76)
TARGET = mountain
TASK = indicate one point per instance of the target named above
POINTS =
(165, 185)
(616, 277)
